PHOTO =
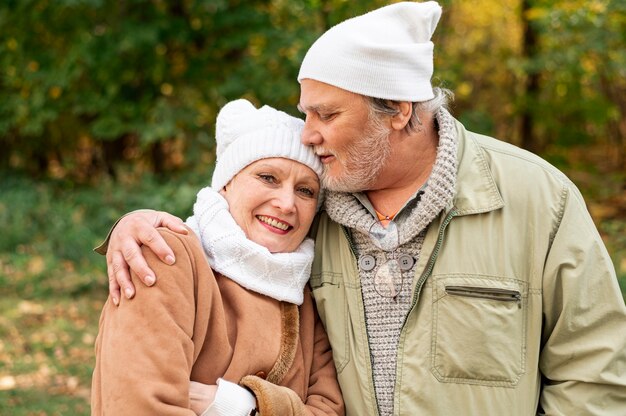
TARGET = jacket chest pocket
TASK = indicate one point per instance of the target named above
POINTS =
(479, 330)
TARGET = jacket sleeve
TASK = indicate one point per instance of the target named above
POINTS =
(145, 349)
(583, 356)
(104, 246)
(273, 399)
(323, 395)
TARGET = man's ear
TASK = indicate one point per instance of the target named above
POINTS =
(400, 120)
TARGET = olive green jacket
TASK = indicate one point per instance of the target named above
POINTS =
(516, 307)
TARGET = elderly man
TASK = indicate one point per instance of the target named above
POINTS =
(455, 273)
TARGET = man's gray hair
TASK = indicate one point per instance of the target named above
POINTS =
(443, 96)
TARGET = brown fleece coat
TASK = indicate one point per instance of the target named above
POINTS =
(197, 325)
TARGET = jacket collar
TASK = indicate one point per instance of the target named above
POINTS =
(476, 189)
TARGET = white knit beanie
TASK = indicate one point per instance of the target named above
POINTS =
(386, 53)
(245, 134)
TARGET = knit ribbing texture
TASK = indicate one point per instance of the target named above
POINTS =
(245, 134)
(386, 53)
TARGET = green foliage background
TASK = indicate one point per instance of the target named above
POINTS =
(108, 106)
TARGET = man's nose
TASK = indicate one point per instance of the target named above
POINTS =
(310, 134)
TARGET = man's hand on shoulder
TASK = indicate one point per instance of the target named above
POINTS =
(124, 249)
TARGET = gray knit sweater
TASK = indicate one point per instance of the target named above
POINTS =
(384, 316)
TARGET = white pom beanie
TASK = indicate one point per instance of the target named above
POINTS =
(245, 134)
(386, 53)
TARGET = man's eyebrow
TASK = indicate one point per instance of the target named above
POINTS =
(314, 108)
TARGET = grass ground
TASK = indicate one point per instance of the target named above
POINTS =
(52, 285)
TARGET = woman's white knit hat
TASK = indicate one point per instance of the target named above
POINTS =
(245, 134)
(386, 53)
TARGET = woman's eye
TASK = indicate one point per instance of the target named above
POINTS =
(267, 178)
(307, 192)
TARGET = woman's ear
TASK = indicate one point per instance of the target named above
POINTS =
(400, 120)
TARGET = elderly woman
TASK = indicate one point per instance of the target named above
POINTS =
(232, 325)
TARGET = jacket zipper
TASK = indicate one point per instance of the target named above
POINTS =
(505, 295)
(349, 238)
(431, 263)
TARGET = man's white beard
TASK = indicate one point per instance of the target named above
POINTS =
(362, 161)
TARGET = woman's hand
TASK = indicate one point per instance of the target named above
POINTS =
(124, 250)
(201, 396)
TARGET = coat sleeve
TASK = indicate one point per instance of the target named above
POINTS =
(323, 396)
(272, 399)
(583, 356)
(145, 348)
(104, 245)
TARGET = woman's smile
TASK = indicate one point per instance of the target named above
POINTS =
(274, 224)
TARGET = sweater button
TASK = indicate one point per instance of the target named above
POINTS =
(367, 262)
(261, 374)
(405, 262)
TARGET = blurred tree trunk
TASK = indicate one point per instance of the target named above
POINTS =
(158, 157)
(112, 153)
(531, 88)
(616, 128)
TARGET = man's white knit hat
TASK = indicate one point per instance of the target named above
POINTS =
(245, 134)
(386, 53)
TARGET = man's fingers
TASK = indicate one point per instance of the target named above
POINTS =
(135, 260)
(172, 222)
(119, 268)
(114, 288)
(133, 231)
(150, 237)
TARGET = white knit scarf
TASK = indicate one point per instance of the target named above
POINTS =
(281, 276)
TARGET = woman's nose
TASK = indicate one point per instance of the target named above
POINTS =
(285, 200)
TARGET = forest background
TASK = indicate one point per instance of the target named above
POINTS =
(109, 106)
